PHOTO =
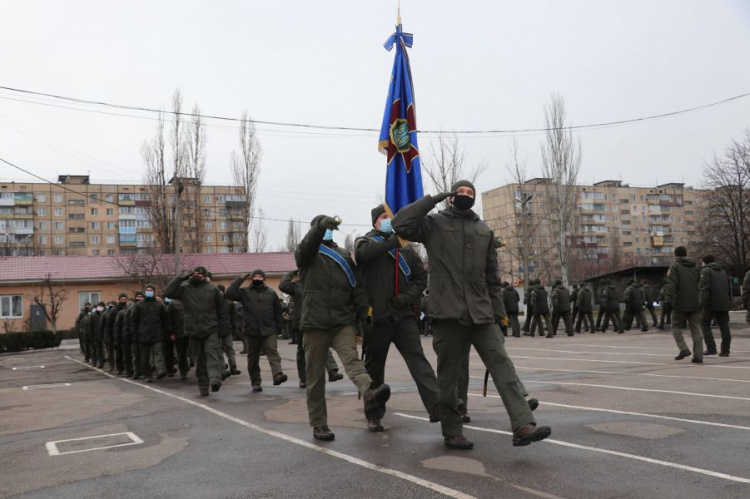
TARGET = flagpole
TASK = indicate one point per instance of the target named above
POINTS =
(398, 15)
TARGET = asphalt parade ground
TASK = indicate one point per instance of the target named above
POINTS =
(628, 421)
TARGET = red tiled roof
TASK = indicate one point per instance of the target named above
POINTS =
(72, 268)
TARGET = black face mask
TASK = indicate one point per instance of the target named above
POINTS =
(257, 283)
(463, 202)
(197, 280)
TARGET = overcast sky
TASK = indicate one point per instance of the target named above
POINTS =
(476, 65)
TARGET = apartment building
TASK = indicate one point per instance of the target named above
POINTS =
(614, 226)
(76, 217)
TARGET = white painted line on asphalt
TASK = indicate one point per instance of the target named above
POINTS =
(636, 457)
(615, 373)
(689, 394)
(600, 353)
(23, 368)
(703, 366)
(671, 349)
(54, 451)
(628, 413)
(41, 387)
(323, 450)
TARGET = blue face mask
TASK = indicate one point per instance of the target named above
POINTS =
(167, 300)
(328, 236)
(149, 294)
(385, 226)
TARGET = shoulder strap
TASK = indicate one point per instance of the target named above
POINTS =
(341, 261)
(405, 269)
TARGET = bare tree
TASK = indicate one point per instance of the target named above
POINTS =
(147, 267)
(561, 162)
(159, 211)
(724, 224)
(293, 235)
(245, 171)
(260, 234)
(194, 171)
(51, 299)
(446, 166)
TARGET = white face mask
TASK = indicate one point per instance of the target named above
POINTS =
(100, 309)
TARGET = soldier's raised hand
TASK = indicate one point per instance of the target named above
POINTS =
(442, 196)
(329, 223)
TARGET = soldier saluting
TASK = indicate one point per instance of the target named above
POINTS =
(465, 304)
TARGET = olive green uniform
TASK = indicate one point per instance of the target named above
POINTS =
(330, 305)
(682, 292)
(464, 304)
(715, 294)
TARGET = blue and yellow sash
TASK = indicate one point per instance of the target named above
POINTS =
(405, 269)
(341, 261)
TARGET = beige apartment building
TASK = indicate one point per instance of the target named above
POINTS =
(614, 226)
(76, 217)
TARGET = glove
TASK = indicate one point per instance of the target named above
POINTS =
(329, 223)
(505, 321)
(245, 277)
(400, 301)
(187, 276)
(442, 196)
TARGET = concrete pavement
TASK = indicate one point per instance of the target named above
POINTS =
(627, 421)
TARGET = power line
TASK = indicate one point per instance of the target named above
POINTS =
(362, 129)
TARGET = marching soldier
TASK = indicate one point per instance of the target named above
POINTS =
(333, 298)
(714, 298)
(227, 337)
(611, 301)
(465, 287)
(203, 320)
(583, 300)
(561, 308)
(147, 327)
(175, 326)
(648, 297)
(123, 354)
(541, 310)
(682, 292)
(666, 307)
(263, 324)
(634, 306)
(510, 301)
(394, 278)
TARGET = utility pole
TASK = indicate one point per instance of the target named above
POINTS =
(525, 244)
(178, 230)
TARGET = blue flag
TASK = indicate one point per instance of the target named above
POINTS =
(398, 134)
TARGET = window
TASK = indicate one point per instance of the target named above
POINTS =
(58, 212)
(11, 307)
(209, 238)
(58, 198)
(224, 238)
(220, 198)
(76, 202)
(110, 225)
(42, 198)
(224, 250)
(110, 212)
(59, 225)
(206, 199)
(95, 252)
(94, 211)
(42, 239)
(41, 212)
(76, 216)
(96, 225)
(110, 198)
(110, 239)
(42, 225)
(223, 225)
(94, 239)
(58, 239)
(110, 252)
(208, 225)
(88, 296)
